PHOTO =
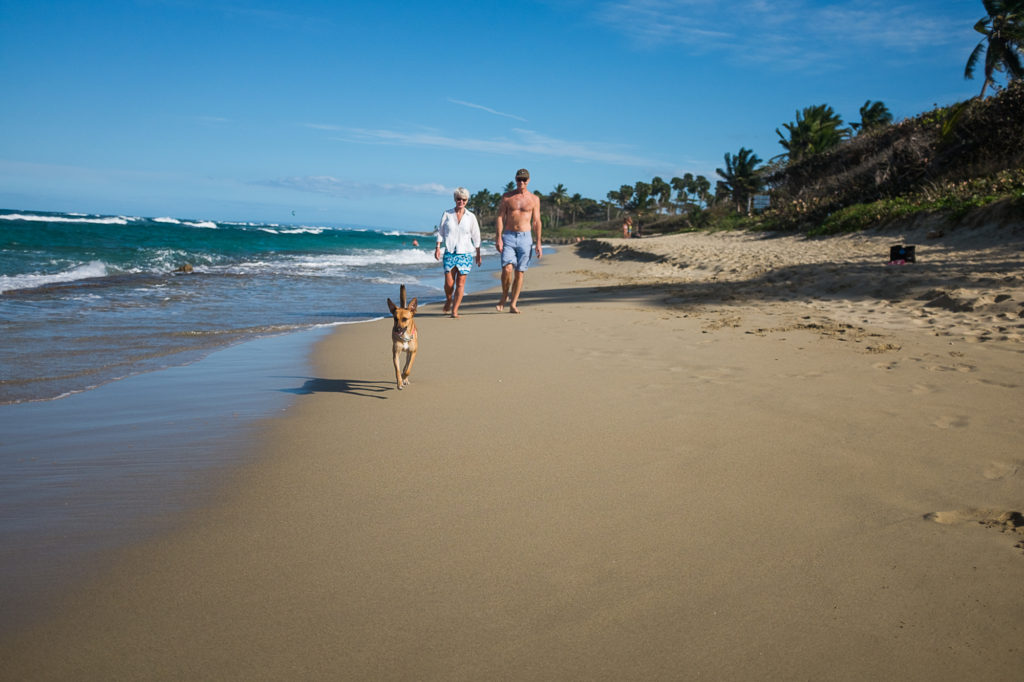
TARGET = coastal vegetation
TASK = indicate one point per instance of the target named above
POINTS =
(832, 177)
(947, 160)
(1002, 30)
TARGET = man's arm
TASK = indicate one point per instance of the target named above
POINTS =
(537, 223)
(500, 223)
(476, 238)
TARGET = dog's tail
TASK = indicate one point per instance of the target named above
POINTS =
(401, 294)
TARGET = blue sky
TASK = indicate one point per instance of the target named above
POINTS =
(370, 113)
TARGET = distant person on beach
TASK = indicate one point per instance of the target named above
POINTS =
(459, 231)
(518, 213)
(627, 227)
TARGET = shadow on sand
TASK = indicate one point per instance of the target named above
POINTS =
(357, 387)
(850, 281)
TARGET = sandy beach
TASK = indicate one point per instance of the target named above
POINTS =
(701, 456)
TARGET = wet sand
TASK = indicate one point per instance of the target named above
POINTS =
(720, 456)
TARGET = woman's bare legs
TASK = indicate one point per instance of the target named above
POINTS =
(449, 287)
(460, 289)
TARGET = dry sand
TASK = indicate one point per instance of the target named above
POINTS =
(721, 456)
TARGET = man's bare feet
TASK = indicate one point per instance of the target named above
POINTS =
(447, 306)
(500, 306)
(513, 309)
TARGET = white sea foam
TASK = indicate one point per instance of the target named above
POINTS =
(30, 281)
(328, 265)
(398, 279)
(205, 224)
(295, 230)
(373, 257)
(119, 220)
(163, 260)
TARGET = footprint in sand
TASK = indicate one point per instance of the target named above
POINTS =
(1010, 522)
(952, 518)
(714, 325)
(719, 376)
(879, 348)
(965, 369)
(952, 422)
(805, 376)
(999, 384)
(997, 471)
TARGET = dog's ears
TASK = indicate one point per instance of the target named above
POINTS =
(412, 305)
(392, 307)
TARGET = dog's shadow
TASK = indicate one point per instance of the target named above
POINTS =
(357, 387)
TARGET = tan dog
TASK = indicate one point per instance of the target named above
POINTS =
(403, 336)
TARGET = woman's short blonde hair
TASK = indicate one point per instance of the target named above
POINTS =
(462, 193)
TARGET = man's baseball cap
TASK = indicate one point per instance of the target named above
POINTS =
(522, 174)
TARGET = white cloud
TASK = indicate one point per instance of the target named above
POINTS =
(789, 33)
(346, 189)
(893, 27)
(487, 109)
(527, 143)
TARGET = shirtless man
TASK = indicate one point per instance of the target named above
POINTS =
(518, 213)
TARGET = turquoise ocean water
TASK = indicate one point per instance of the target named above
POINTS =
(126, 384)
(87, 299)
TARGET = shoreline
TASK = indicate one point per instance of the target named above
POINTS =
(91, 472)
(635, 478)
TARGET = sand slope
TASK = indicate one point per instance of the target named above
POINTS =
(712, 456)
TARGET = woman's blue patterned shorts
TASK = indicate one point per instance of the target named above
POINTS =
(462, 261)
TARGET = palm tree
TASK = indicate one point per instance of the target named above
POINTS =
(641, 202)
(701, 187)
(558, 196)
(741, 177)
(662, 190)
(721, 191)
(622, 197)
(691, 191)
(872, 115)
(575, 206)
(682, 188)
(1003, 41)
(484, 203)
(642, 197)
(817, 129)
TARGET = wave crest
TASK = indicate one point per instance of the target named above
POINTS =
(33, 280)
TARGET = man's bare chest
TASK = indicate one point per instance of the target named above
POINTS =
(520, 206)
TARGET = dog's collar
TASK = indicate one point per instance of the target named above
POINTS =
(400, 336)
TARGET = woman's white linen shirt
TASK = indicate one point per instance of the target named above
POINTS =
(459, 237)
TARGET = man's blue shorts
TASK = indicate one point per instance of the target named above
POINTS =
(516, 249)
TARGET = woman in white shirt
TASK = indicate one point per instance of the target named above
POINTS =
(459, 231)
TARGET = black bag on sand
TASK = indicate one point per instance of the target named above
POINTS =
(901, 252)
